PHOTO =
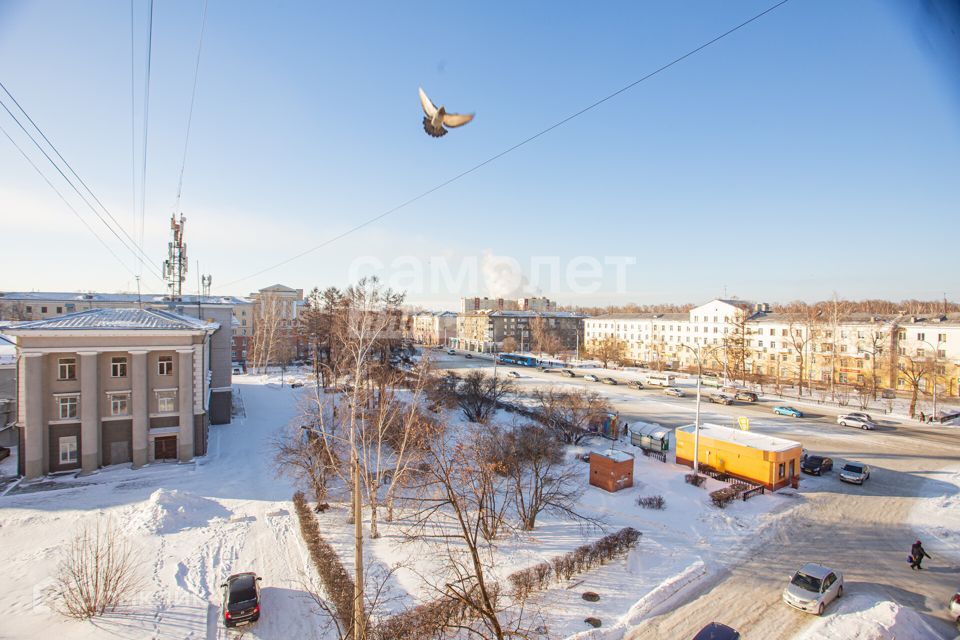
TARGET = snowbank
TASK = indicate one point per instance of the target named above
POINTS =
(866, 617)
(171, 510)
(937, 514)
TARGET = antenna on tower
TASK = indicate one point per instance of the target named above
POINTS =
(175, 266)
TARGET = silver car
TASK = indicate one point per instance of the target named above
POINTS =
(855, 420)
(813, 587)
(854, 472)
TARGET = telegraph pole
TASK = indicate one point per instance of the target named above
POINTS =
(359, 622)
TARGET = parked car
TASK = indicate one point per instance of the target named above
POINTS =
(861, 415)
(451, 352)
(854, 420)
(236, 369)
(719, 398)
(591, 378)
(746, 396)
(717, 631)
(241, 599)
(513, 374)
(468, 355)
(784, 410)
(955, 606)
(568, 373)
(674, 391)
(609, 381)
(813, 587)
(816, 465)
(854, 472)
(635, 384)
(888, 394)
(296, 384)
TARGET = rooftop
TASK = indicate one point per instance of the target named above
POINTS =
(616, 455)
(115, 319)
(743, 438)
(132, 298)
(643, 316)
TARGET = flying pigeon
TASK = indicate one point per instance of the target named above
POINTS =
(436, 119)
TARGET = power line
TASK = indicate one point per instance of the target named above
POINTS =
(512, 148)
(193, 97)
(53, 147)
(65, 201)
(146, 126)
(133, 119)
(68, 180)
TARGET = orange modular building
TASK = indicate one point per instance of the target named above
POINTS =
(767, 460)
(611, 470)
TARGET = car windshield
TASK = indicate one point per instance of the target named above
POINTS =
(814, 460)
(853, 468)
(805, 582)
(243, 589)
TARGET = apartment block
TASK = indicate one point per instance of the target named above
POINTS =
(487, 330)
(506, 304)
(433, 328)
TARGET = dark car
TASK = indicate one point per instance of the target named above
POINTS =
(635, 384)
(296, 384)
(468, 355)
(608, 381)
(746, 396)
(568, 373)
(816, 465)
(720, 398)
(717, 631)
(241, 599)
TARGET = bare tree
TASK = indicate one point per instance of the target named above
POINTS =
(542, 478)
(509, 344)
(607, 349)
(873, 346)
(568, 414)
(268, 336)
(915, 371)
(97, 572)
(802, 331)
(478, 395)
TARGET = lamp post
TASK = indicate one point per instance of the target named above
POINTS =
(698, 354)
(936, 359)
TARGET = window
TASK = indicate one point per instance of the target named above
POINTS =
(901, 335)
(29, 309)
(941, 353)
(781, 470)
(59, 309)
(941, 337)
(166, 401)
(843, 378)
(43, 309)
(120, 404)
(165, 366)
(921, 336)
(920, 352)
(67, 369)
(68, 450)
(843, 348)
(68, 406)
(118, 367)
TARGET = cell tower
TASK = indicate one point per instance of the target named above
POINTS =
(175, 266)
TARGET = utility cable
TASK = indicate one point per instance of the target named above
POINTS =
(193, 97)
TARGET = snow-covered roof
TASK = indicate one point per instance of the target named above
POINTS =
(651, 429)
(8, 350)
(148, 298)
(616, 455)
(642, 316)
(505, 313)
(743, 438)
(116, 319)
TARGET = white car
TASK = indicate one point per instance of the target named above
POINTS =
(955, 606)
(855, 472)
(674, 391)
(451, 352)
(591, 377)
(856, 420)
(813, 587)
(513, 374)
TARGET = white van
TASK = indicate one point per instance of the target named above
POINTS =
(660, 379)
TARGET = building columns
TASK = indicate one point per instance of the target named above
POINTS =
(89, 411)
(31, 412)
(185, 396)
(139, 404)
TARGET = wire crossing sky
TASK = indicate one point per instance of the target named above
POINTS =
(782, 162)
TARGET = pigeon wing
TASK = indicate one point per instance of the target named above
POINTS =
(428, 107)
(456, 119)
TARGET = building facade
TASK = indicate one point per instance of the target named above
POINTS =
(433, 328)
(746, 340)
(38, 305)
(112, 386)
(8, 390)
(489, 330)
(506, 304)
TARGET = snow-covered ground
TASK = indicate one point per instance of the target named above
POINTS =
(936, 515)
(863, 617)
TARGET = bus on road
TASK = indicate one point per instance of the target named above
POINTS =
(660, 379)
(517, 360)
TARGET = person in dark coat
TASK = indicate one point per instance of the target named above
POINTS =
(917, 554)
(923, 417)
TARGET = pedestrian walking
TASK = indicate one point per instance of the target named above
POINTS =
(917, 554)
(923, 417)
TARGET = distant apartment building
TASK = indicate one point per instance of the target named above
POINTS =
(8, 390)
(275, 312)
(741, 338)
(433, 328)
(488, 330)
(40, 305)
(502, 304)
(242, 330)
(112, 386)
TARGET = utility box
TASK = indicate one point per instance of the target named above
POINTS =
(611, 470)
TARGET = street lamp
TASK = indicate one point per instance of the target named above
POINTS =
(936, 358)
(698, 354)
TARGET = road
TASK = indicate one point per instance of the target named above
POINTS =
(862, 531)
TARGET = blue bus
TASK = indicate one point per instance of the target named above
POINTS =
(517, 360)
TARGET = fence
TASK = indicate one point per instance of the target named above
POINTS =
(659, 455)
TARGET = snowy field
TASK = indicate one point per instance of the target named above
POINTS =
(196, 523)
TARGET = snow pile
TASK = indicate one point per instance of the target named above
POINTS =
(171, 510)
(868, 618)
(937, 515)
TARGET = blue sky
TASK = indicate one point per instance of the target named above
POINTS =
(814, 151)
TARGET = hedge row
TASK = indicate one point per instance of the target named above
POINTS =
(336, 581)
(597, 553)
